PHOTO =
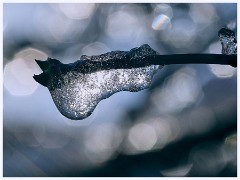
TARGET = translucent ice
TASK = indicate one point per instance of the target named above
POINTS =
(77, 88)
(228, 41)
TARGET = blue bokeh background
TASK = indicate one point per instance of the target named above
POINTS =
(185, 124)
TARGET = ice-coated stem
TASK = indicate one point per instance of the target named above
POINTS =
(87, 65)
(78, 87)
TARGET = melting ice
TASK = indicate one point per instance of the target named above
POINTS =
(79, 93)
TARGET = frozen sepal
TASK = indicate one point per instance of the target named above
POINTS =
(228, 41)
(78, 87)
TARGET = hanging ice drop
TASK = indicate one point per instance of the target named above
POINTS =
(78, 87)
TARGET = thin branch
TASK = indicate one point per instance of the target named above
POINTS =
(195, 59)
(135, 58)
(165, 60)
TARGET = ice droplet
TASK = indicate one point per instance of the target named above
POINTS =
(77, 91)
(228, 41)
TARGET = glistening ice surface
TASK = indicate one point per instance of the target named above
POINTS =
(80, 93)
(228, 41)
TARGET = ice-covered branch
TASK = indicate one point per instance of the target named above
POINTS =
(129, 60)
(78, 87)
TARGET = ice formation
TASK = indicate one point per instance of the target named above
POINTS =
(228, 41)
(78, 87)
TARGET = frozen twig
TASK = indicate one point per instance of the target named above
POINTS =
(78, 87)
(127, 61)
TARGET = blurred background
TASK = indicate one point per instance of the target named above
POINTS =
(185, 124)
